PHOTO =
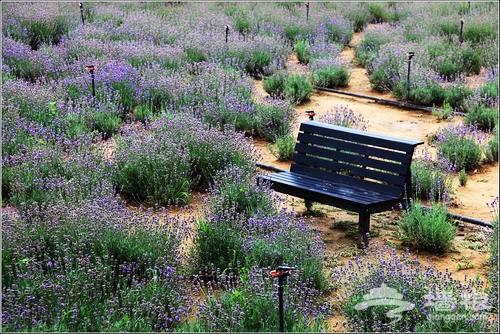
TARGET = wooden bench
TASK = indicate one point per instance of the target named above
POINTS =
(350, 169)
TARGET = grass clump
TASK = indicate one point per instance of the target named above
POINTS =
(427, 229)
(298, 88)
(283, 148)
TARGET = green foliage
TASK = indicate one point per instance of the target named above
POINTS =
(298, 88)
(426, 93)
(485, 118)
(331, 77)
(300, 48)
(359, 18)
(284, 147)
(443, 114)
(195, 56)
(478, 31)
(107, 123)
(431, 180)
(462, 178)
(367, 51)
(492, 147)
(489, 90)
(457, 95)
(158, 174)
(258, 63)
(142, 112)
(377, 12)
(427, 229)
(275, 84)
(274, 121)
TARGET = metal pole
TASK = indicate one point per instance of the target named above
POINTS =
(281, 283)
(227, 31)
(282, 272)
(461, 28)
(81, 11)
(91, 69)
(410, 55)
(307, 11)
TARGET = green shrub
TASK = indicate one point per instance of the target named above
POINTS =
(284, 147)
(457, 95)
(431, 180)
(427, 229)
(485, 118)
(476, 31)
(331, 77)
(489, 90)
(154, 169)
(492, 147)
(461, 145)
(274, 120)
(377, 12)
(142, 112)
(258, 63)
(107, 123)
(443, 114)
(303, 55)
(425, 93)
(462, 178)
(298, 88)
(275, 84)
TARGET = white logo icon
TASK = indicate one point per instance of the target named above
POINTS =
(385, 296)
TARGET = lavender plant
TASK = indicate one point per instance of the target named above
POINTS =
(248, 303)
(431, 177)
(461, 145)
(97, 266)
(344, 116)
(428, 229)
(246, 227)
(415, 283)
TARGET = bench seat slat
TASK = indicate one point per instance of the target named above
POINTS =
(356, 170)
(347, 180)
(357, 197)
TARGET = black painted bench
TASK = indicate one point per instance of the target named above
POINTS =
(350, 169)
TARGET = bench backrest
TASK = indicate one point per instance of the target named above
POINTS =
(354, 157)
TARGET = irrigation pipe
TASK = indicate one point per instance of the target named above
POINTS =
(450, 215)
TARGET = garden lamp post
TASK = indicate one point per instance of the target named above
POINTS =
(81, 11)
(410, 55)
(227, 31)
(91, 69)
(311, 114)
(282, 272)
(307, 11)
(461, 29)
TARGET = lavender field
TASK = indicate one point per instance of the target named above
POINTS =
(115, 114)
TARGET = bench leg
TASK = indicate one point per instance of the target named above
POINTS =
(363, 228)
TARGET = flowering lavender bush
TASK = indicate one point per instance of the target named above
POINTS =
(179, 154)
(248, 303)
(431, 179)
(344, 116)
(414, 282)
(92, 266)
(492, 147)
(461, 145)
(245, 227)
